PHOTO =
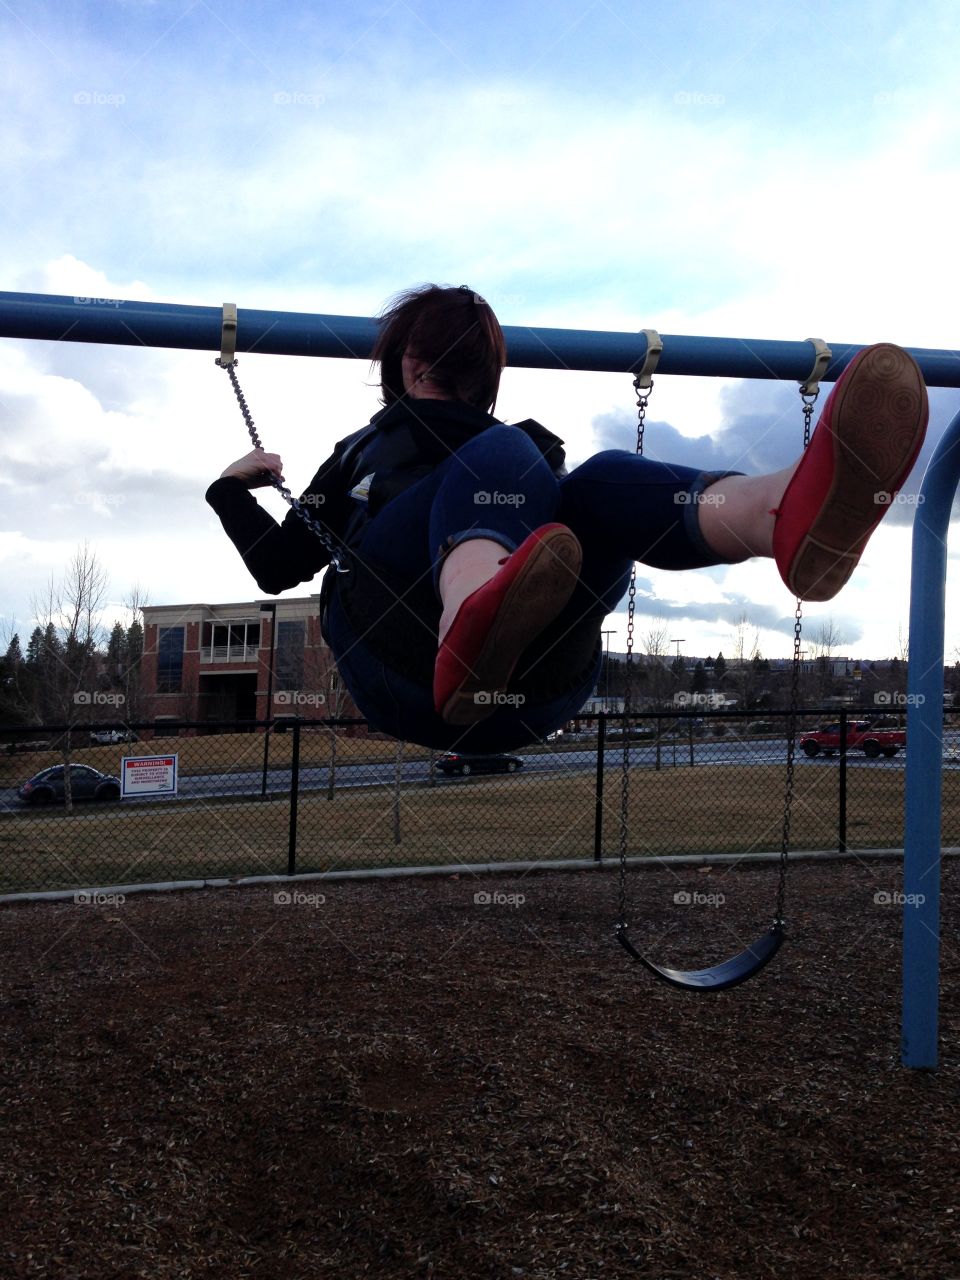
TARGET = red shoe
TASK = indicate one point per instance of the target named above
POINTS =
(496, 622)
(863, 448)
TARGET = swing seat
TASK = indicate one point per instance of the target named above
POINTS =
(720, 977)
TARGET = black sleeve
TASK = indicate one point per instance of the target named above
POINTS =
(280, 556)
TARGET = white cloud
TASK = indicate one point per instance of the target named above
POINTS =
(555, 172)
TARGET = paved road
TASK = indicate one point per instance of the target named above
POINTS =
(314, 778)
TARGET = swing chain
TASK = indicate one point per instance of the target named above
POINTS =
(809, 399)
(336, 553)
(643, 397)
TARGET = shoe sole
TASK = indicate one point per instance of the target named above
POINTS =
(536, 596)
(878, 420)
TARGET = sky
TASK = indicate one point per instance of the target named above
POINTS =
(755, 171)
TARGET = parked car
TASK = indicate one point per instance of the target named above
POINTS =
(86, 783)
(458, 762)
(108, 737)
(862, 735)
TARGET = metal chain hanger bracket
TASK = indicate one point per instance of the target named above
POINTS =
(228, 360)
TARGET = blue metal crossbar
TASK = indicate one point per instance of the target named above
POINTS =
(151, 324)
(57, 318)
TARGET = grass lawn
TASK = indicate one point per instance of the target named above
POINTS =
(710, 808)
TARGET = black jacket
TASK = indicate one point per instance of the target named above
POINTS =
(400, 445)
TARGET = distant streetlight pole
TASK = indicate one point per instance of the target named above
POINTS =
(270, 609)
(678, 643)
(606, 690)
(801, 673)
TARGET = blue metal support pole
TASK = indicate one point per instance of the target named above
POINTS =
(57, 318)
(921, 843)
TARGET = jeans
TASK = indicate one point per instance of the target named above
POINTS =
(621, 507)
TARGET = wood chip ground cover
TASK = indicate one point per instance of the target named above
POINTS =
(399, 1080)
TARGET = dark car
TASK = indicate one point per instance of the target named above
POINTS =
(457, 762)
(86, 783)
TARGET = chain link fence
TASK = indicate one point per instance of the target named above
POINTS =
(233, 800)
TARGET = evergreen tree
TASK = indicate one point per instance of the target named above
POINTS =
(719, 669)
(133, 642)
(51, 647)
(11, 677)
(35, 647)
(117, 655)
(14, 655)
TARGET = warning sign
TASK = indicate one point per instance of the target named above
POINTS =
(148, 776)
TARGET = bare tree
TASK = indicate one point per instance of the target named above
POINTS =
(656, 650)
(322, 680)
(336, 696)
(746, 652)
(131, 681)
(824, 643)
(68, 612)
(827, 638)
(903, 644)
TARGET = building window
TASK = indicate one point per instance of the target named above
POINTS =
(288, 660)
(169, 659)
(230, 642)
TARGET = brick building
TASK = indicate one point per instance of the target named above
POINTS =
(237, 661)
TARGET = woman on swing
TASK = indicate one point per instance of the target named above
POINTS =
(479, 572)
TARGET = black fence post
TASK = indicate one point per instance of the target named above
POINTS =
(294, 797)
(598, 811)
(842, 798)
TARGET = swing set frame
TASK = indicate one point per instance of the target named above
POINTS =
(121, 322)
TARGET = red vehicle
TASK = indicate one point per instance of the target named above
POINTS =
(862, 735)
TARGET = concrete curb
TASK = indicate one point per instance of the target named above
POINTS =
(473, 869)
